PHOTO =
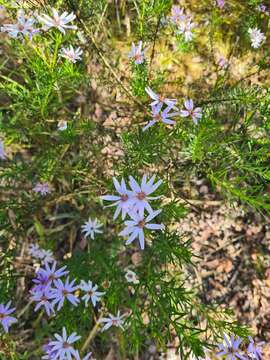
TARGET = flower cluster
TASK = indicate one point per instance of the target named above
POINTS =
(49, 289)
(156, 108)
(52, 290)
(45, 256)
(165, 115)
(230, 349)
(25, 27)
(135, 202)
(183, 22)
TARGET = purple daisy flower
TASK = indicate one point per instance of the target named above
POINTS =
(163, 116)
(134, 227)
(159, 99)
(194, 113)
(123, 201)
(42, 188)
(177, 15)
(51, 272)
(43, 298)
(64, 291)
(141, 193)
(254, 349)
(50, 355)
(5, 319)
(112, 320)
(62, 348)
(41, 281)
(230, 348)
(137, 53)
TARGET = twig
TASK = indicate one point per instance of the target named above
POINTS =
(91, 334)
(229, 242)
(195, 207)
(24, 309)
(154, 45)
(101, 18)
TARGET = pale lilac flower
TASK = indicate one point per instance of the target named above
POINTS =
(163, 116)
(62, 347)
(43, 297)
(2, 151)
(131, 277)
(263, 9)
(58, 21)
(223, 63)
(254, 349)
(141, 193)
(24, 26)
(177, 15)
(113, 321)
(123, 201)
(91, 292)
(136, 53)
(62, 125)
(34, 250)
(42, 188)
(64, 291)
(91, 227)
(229, 350)
(51, 273)
(41, 254)
(135, 227)
(71, 54)
(220, 3)
(194, 113)
(50, 355)
(5, 319)
(257, 37)
(186, 29)
(159, 99)
(46, 256)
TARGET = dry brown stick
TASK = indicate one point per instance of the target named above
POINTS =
(154, 46)
(91, 334)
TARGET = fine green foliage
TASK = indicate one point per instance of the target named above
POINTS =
(229, 147)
